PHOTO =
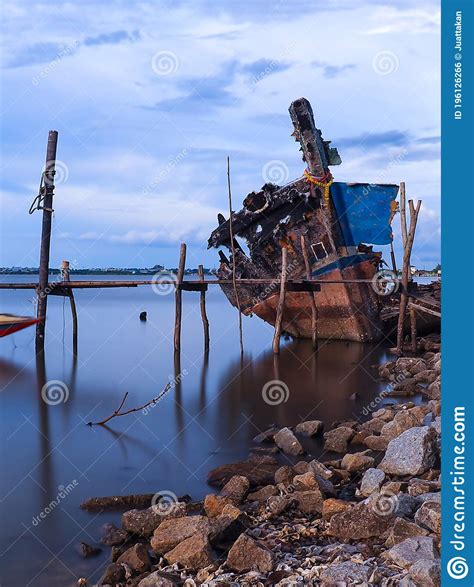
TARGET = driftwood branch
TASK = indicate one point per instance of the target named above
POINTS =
(118, 412)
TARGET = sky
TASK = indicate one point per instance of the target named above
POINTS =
(149, 99)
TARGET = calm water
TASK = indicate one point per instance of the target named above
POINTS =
(208, 419)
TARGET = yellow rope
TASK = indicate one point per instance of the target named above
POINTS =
(321, 182)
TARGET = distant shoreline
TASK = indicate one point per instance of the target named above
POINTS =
(151, 272)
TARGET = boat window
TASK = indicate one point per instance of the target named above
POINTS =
(319, 250)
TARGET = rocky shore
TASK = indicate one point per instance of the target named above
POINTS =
(368, 516)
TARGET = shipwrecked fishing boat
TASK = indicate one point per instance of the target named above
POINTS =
(338, 223)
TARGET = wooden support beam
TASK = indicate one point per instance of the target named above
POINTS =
(281, 301)
(47, 207)
(205, 321)
(414, 211)
(72, 303)
(403, 214)
(179, 298)
(314, 309)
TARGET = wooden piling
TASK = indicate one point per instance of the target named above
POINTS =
(47, 207)
(314, 309)
(281, 301)
(413, 327)
(205, 321)
(406, 271)
(72, 302)
(403, 214)
(179, 298)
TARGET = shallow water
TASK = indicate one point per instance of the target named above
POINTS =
(214, 409)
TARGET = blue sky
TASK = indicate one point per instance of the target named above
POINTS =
(149, 98)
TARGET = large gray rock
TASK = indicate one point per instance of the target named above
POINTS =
(287, 442)
(406, 553)
(411, 453)
(426, 573)
(112, 536)
(371, 481)
(346, 572)
(248, 555)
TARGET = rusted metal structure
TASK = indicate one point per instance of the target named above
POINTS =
(338, 221)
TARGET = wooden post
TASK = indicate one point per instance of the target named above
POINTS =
(314, 310)
(179, 298)
(406, 271)
(205, 321)
(72, 302)
(394, 261)
(281, 301)
(403, 214)
(47, 206)
(412, 325)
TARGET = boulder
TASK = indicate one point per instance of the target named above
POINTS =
(278, 504)
(259, 471)
(406, 553)
(236, 488)
(86, 550)
(320, 469)
(161, 579)
(359, 522)
(309, 428)
(377, 443)
(194, 552)
(284, 474)
(356, 462)
(337, 439)
(136, 558)
(426, 573)
(403, 420)
(411, 453)
(309, 502)
(171, 532)
(371, 481)
(385, 414)
(214, 504)
(429, 516)
(248, 555)
(374, 425)
(345, 573)
(112, 536)
(288, 443)
(305, 482)
(334, 506)
(226, 528)
(401, 530)
(114, 574)
(144, 522)
(261, 495)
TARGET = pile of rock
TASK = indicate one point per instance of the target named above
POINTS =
(370, 517)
